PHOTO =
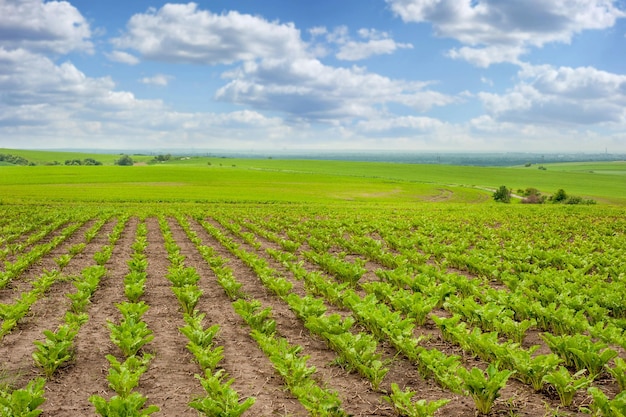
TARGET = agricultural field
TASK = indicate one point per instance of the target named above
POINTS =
(163, 291)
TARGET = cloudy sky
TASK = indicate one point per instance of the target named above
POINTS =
(418, 75)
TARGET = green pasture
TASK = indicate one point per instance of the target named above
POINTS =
(202, 179)
(602, 186)
(208, 184)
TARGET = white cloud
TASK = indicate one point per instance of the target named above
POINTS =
(182, 33)
(29, 78)
(308, 89)
(400, 126)
(564, 95)
(122, 57)
(53, 26)
(45, 104)
(377, 43)
(318, 31)
(489, 26)
(484, 57)
(338, 35)
(159, 79)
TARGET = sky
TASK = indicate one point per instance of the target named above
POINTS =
(324, 75)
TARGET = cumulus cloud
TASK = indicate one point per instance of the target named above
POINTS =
(318, 31)
(489, 55)
(43, 102)
(159, 79)
(182, 33)
(564, 95)
(30, 78)
(122, 57)
(307, 89)
(375, 43)
(53, 26)
(488, 27)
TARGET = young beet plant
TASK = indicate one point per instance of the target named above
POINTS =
(619, 372)
(130, 406)
(603, 407)
(221, 399)
(404, 405)
(132, 333)
(56, 350)
(484, 387)
(124, 376)
(531, 369)
(567, 385)
(134, 284)
(188, 296)
(23, 402)
(196, 333)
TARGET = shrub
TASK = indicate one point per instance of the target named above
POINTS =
(124, 160)
(502, 195)
(559, 197)
(533, 196)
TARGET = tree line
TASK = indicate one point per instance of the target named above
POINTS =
(533, 196)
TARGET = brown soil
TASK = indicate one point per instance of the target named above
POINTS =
(169, 382)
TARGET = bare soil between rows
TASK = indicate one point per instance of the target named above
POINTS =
(170, 381)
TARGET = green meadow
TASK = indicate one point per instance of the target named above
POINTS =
(212, 179)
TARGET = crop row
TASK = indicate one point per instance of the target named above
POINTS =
(391, 277)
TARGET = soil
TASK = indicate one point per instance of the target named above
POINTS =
(170, 381)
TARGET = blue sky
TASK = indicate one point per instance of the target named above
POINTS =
(409, 75)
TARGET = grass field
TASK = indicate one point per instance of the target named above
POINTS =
(202, 179)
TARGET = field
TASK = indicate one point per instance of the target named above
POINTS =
(274, 288)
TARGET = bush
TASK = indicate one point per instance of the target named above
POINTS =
(162, 158)
(91, 161)
(14, 159)
(561, 197)
(532, 196)
(124, 160)
(502, 195)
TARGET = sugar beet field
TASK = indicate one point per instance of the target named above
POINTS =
(295, 310)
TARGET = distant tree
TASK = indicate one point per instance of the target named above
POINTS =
(124, 160)
(502, 195)
(559, 197)
(91, 161)
(532, 196)
(162, 158)
(14, 159)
